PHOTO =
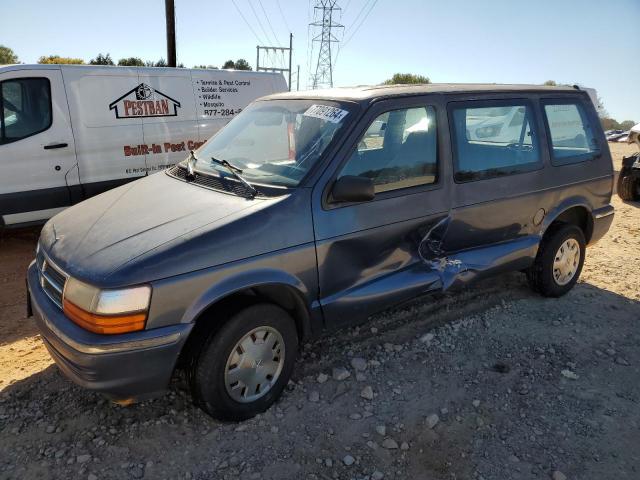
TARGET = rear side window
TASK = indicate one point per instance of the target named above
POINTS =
(494, 139)
(571, 133)
(398, 150)
(26, 108)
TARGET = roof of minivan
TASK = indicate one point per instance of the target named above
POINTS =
(366, 92)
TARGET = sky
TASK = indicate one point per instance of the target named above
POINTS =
(586, 42)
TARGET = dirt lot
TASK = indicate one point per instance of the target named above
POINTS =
(489, 383)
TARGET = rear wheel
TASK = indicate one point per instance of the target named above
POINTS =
(559, 261)
(244, 367)
(628, 187)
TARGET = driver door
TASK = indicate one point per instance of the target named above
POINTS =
(369, 253)
(37, 151)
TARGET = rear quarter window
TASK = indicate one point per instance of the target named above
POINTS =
(572, 136)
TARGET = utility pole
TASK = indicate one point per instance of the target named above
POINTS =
(170, 14)
(324, 14)
(276, 65)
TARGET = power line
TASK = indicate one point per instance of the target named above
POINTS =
(259, 22)
(361, 22)
(269, 23)
(286, 24)
(245, 21)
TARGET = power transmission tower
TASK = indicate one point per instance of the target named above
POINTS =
(323, 16)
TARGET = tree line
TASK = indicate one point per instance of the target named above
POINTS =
(7, 56)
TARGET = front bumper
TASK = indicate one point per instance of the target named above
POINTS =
(130, 366)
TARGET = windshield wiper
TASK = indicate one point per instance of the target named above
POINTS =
(236, 172)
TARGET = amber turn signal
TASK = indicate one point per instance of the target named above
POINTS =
(104, 324)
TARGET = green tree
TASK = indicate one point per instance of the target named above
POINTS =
(229, 64)
(208, 67)
(550, 83)
(160, 63)
(101, 60)
(242, 64)
(627, 124)
(131, 62)
(58, 60)
(406, 78)
(7, 56)
(609, 124)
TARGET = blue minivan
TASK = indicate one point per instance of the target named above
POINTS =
(303, 215)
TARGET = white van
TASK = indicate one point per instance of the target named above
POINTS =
(69, 132)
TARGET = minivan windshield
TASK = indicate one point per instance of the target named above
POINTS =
(275, 142)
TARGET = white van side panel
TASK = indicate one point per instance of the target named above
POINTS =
(102, 132)
(222, 94)
(170, 138)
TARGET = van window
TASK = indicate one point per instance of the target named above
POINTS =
(494, 140)
(26, 108)
(572, 136)
(398, 150)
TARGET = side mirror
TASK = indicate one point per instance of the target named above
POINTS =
(351, 188)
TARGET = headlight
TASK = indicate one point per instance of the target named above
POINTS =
(106, 311)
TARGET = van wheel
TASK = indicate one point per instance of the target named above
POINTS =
(559, 261)
(243, 368)
(628, 187)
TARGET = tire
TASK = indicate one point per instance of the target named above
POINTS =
(208, 376)
(628, 187)
(541, 275)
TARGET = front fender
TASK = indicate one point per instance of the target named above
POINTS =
(242, 281)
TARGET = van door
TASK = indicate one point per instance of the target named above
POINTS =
(372, 254)
(498, 159)
(37, 151)
(169, 118)
(107, 125)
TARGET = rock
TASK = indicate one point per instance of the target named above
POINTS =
(328, 462)
(92, 477)
(622, 361)
(390, 444)
(569, 374)
(427, 337)
(83, 458)
(476, 403)
(51, 429)
(314, 396)
(377, 475)
(348, 460)
(381, 430)
(367, 393)
(341, 373)
(137, 472)
(374, 330)
(359, 364)
(355, 416)
(558, 475)
(404, 446)
(432, 420)
(360, 377)
(323, 377)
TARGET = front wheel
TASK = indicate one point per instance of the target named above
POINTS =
(244, 367)
(559, 261)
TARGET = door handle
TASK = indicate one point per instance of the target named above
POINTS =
(52, 146)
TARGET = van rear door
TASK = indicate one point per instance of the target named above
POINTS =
(37, 151)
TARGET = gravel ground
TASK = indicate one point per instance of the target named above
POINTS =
(492, 382)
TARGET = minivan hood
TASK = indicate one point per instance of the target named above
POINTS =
(97, 237)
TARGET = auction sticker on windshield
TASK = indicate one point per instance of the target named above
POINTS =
(325, 112)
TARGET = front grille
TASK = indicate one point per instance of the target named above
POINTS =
(52, 279)
(213, 182)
